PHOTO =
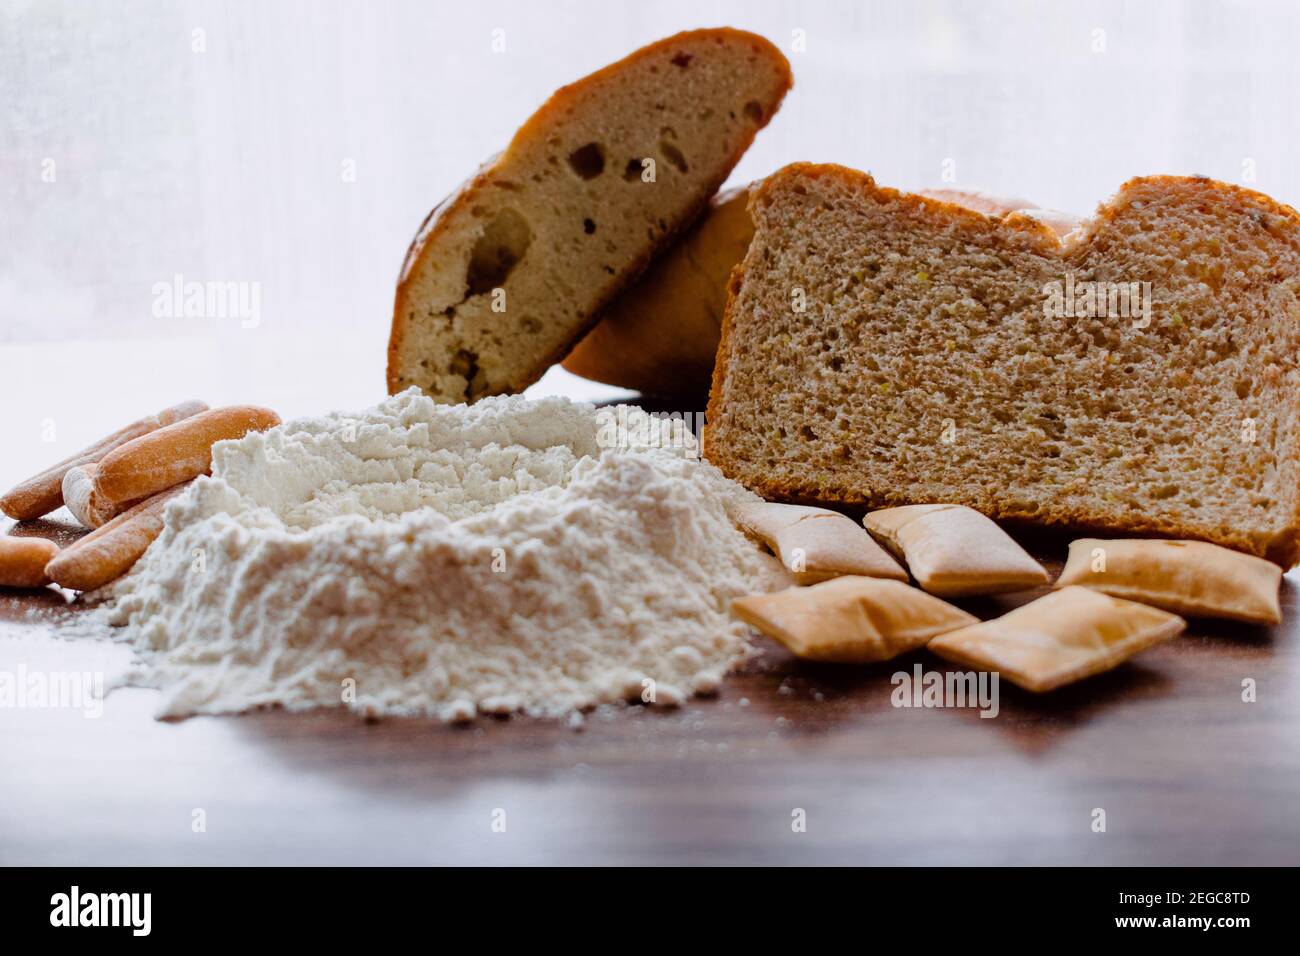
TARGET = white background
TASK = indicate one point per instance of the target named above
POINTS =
(227, 162)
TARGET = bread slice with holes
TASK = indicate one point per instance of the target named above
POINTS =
(506, 275)
(881, 348)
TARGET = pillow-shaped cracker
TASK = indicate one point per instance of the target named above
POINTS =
(850, 619)
(955, 551)
(816, 544)
(1060, 638)
(1187, 577)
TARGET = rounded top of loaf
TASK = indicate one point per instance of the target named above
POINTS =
(1062, 229)
(719, 36)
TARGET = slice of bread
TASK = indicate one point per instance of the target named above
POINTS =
(881, 348)
(661, 335)
(507, 274)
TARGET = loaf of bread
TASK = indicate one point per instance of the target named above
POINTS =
(509, 273)
(660, 336)
(881, 349)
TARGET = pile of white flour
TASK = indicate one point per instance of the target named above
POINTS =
(425, 559)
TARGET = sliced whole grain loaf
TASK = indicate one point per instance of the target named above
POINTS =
(660, 335)
(508, 273)
(881, 348)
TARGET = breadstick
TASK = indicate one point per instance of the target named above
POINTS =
(43, 493)
(109, 552)
(154, 462)
(23, 560)
(85, 503)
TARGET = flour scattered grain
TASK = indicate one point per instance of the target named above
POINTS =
(448, 560)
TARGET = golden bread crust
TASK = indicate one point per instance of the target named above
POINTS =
(537, 127)
(1283, 548)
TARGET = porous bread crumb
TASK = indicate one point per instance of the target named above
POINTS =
(511, 271)
(924, 368)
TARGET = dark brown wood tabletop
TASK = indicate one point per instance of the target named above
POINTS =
(1186, 771)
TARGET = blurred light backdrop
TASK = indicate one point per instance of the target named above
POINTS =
(298, 145)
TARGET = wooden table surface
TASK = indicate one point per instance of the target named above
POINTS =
(1186, 771)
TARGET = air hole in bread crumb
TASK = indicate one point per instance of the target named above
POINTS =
(633, 170)
(588, 161)
(682, 60)
(503, 243)
(588, 226)
(465, 364)
(673, 155)
(754, 110)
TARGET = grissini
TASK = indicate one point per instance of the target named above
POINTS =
(43, 493)
(157, 461)
(86, 504)
(816, 544)
(23, 560)
(107, 553)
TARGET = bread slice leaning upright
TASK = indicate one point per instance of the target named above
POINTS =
(883, 348)
(508, 273)
(660, 336)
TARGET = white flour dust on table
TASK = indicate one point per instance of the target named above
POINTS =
(426, 559)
